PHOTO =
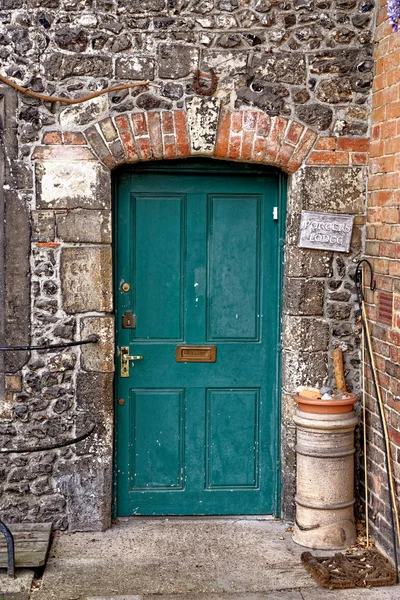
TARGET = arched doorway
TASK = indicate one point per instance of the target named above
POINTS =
(198, 268)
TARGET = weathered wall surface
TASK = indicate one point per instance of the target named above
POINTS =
(308, 59)
(293, 91)
(383, 249)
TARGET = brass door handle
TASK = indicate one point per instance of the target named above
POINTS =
(125, 360)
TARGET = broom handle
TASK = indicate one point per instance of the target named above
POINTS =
(365, 435)
(385, 429)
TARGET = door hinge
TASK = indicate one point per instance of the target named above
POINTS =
(128, 320)
(275, 213)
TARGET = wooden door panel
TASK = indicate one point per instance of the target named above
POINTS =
(159, 248)
(232, 425)
(234, 231)
(157, 423)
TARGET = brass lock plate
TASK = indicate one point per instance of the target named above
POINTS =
(128, 320)
(196, 354)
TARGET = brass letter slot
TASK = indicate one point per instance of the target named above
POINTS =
(196, 353)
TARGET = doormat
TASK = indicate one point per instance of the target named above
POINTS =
(367, 568)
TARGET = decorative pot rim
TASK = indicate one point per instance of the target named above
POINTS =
(326, 406)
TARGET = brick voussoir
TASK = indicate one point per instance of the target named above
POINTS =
(96, 142)
(237, 121)
(124, 128)
(168, 135)
(275, 139)
(263, 124)
(169, 147)
(139, 124)
(293, 133)
(154, 127)
(247, 145)
(167, 121)
(285, 153)
(302, 150)
(100, 148)
(223, 132)
(259, 149)
(250, 118)
(144, 148)
(181, 134)
(165, 134)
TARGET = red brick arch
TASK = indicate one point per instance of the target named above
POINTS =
(243, 135)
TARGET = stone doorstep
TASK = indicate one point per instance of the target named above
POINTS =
(18, 588)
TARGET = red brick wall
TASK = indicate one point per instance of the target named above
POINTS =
(383, 248)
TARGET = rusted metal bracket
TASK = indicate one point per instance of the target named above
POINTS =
(202, 90)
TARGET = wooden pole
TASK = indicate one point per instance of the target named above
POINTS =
(338, 368)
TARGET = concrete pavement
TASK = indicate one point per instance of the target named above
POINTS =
(184, 559)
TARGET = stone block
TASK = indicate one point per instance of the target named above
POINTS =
(234, 62)
(303, 297)
(86, 279)
(139, 6)
(282, 67)
(6, 406)
(288, 409)
(333, 189)
(95, 391)
(73, 40)
(60, 66)
(98, 357)
(88, 491)
(301, 262)
(304, 334)
(134, 68)
(21, 175)
(17, 280)
(43, 225)
(304, 368)
(357, 237)
(202, 116)
(82, 114)
(338, 311)
(270, 98)
(288, 473)
(334, 91)
(80, 225)
(72, 184)
(18, 588)
(336, 62)
(315, 115)
(176, 61)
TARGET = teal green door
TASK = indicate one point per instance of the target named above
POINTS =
(199, 247)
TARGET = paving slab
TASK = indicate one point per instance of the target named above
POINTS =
(18, 588)
(174, 556)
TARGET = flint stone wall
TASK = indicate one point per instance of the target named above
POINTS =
(306, 64)
(310, 60)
